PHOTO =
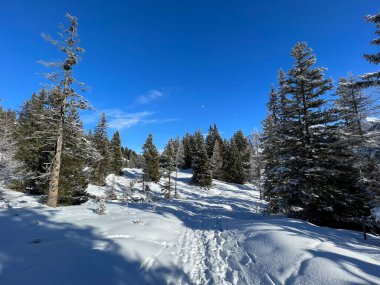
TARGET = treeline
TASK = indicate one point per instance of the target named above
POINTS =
(27, 148)
(321, 158)
(236, 160)
(45, 150)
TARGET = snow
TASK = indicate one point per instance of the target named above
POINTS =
(376, 214)
(216, 236)
(373, 119)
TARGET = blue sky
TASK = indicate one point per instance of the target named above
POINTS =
(168, 67)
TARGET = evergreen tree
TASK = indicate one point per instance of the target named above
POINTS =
(34, 148)
(217, 161)
(101, 143)
(233, 166)
(116, 154)
(9, 166)
(314, 178)
(78, 153)
(168, 162)
(372, 79)
(63, 97)
(151, 160)
(180, 161)
(212, 136)
(188, 151)
(245, 153)
(354, 106)
(202, 174)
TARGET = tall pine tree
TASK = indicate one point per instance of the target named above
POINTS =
(151, 160)
(116, 154)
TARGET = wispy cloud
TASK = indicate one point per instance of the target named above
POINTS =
(120, 119)
(149, 96)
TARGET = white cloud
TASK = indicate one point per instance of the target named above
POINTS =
(120, 119)
(149, 96)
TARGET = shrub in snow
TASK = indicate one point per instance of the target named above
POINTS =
(110, 192)
(101, 210)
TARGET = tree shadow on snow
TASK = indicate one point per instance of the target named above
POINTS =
(34, 249)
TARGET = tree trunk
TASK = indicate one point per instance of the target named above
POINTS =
(169, 185)
(56, 168)
(175, 184)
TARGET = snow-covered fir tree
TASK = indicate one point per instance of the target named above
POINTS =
(315, 179)
(10, 167)
(101, 143)
(355, 106)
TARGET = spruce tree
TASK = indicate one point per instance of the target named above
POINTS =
(233, 166)
(212, 136)
(151, 160)
(180, 161)
(168, 163)
(101, 143)
(202, 174)
(116, 154)
(372, 79)
(354, 106)
(188, 151)
(9, 166)
(217, 161)
(245, 153)
(316, 177)
(34, 147)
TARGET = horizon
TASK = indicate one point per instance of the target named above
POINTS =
(170, 68)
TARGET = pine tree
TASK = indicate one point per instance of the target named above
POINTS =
(372, 79)
(315, 179)
(210, 141)
(101, 143)
(233, 166)
(78, 153)
(151, 160)
(245, 153)
(9, 166)
(180, 161)
(202, 174)
(63, 96)
(212, 136)
(188, 151)
(34, 147)
(168, 162)
(354, 106)
(217, 161)
(256, 154)
(116, 154)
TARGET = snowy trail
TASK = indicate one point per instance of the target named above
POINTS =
(215, 236)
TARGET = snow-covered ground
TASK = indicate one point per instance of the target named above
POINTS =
(216, 236)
